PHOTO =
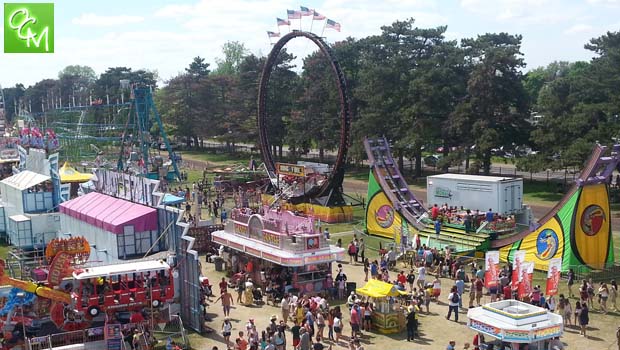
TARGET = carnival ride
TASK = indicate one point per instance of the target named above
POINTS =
(80, 295)
(137, 153)
(93, 135)
(322, 189)
(577, 229)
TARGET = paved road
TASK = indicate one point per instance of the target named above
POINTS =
(497, 169)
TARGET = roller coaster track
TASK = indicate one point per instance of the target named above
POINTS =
(597, 169)
(392, 181)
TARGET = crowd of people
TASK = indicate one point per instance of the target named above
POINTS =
(471, 220)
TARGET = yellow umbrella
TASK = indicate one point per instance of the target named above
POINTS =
(68, 175)
(379, 289)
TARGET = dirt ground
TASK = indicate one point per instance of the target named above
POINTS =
(435, 330)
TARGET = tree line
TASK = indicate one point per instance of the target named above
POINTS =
(468, 100)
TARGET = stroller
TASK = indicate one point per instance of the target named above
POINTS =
(257, 296)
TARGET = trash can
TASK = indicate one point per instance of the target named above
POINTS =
(351, 287)
(219, 264)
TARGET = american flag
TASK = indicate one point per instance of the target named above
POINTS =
(332, 25)
(292, 14)
(306, 11)
(273, 34)
(283, 22)
(318, 17)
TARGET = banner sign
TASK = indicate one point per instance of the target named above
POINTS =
(553, 276)
(290, 169)
(491, 274)
(519, 258)
(525, 278)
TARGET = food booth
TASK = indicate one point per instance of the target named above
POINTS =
(279, 246)
(515, 322)
(387, 316)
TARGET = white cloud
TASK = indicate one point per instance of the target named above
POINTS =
(93, 20)
(604, 2)
(579, 28)
(525, 12)
(172, 11)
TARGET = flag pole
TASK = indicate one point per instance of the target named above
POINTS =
(322, 30)
(311, 22)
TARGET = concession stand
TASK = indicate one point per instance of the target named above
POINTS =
(387, 315)
(280, 247)
(514, 322)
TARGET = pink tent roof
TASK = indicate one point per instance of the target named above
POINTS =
(110, 214)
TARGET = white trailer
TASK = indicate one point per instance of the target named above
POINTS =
(503, 195)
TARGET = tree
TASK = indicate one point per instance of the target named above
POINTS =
(76, 83)
(107, 87)
(198, 68)
(13, 96)
(234, 52)
(581, 107)
(406, 85)
(496, 106)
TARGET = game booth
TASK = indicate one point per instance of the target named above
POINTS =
(279, 246)
(387, 316)
(68, 175)
(512, 322)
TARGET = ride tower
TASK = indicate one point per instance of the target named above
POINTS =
(143, 139)
(319, 193)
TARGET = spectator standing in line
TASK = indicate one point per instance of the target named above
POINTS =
(434, 212)
(489, 215)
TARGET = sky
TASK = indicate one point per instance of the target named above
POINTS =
(166, 35)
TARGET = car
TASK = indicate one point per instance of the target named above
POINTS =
(432, 160)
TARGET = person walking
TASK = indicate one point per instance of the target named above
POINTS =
(460, 288)
(568, 312)
(285, 307)
(411, 280)
(453, 304)
(421, 276)
(355, 320)
(304, 340)
(227, 301)
(613, 294)
(584, 319)
(570, 281)
(226, 331)
(472, 293)
(338, 326)
(411, 323)
(603, 294)
(362, 250)
(577, 311)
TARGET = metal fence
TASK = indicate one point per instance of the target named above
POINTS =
(66, 338)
